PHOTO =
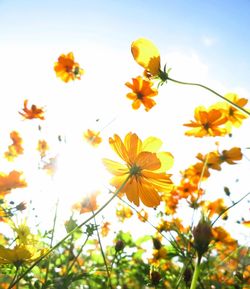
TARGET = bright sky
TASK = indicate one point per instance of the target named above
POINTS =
(203, 41)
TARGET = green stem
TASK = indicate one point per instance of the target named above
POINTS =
(70, 233)
(196, 274)
(103, 254)
(51, 243)
(211, 90)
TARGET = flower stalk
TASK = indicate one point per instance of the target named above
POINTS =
(70, 233)
(196, 274)
(211, 90)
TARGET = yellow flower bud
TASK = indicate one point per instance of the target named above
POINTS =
(147, 55)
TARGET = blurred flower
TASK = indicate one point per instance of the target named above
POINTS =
(246, 223)
(11, 181)
(142, 215)
(123, 212)
(21, 206)
(232, 155)
(42, 147)
(24, 235)
(15, 149)
(196, 173)
(223, 241)
(142, 93)
(147, 55)
(67, 69)
(207, 123)
(146, 168)
(105, 228)
(212, 160)
(92, 137)
(216, 207)
(87, 204)
(50, 166)
(234, 115)
(20, 254)
(33, 112)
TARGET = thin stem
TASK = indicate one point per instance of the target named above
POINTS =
(13, 282)
(78, 254)
(71, 232)
(211, 90)
(196, 274)
(51, 241)
(103, 254)
(224, 211)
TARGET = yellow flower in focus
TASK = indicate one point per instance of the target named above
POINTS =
(67, 69)
(147, 55)
(142, 93)
(145, 166)
(20, 254)
(92, 137)
(207, 123)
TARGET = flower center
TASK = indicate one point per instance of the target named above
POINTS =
(139, 95)
(135, 170)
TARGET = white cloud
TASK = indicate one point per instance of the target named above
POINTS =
(208, 40)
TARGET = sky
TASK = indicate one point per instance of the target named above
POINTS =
(202, 41)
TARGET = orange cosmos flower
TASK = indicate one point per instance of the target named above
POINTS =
(147, 55)
(92, 137)
(11, 181)
(67, 69)
(216, 207)
(15, 149)
(33, 112)
(212, 160)
(232, 155)
(105, 228)
(207, 123)
(42, 147)
(87, 204)
(196, 173)
(142, 93)
(145, 166)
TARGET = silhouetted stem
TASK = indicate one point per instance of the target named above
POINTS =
(211, 90)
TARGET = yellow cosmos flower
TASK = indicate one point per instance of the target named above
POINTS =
(142, 93)
(20, 254)
(147, 55)
(145, 166)
(234, 115)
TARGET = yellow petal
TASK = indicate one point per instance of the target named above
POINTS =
(167, 161)
(146, 54)
(115, 168)
(151, 144)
